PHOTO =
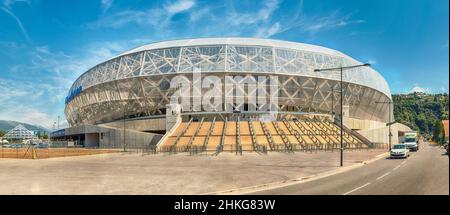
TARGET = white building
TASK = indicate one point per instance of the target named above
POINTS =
(19, 132)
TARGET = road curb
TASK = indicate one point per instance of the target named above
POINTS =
(279, 184)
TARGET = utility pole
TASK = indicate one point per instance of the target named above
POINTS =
(341, 69)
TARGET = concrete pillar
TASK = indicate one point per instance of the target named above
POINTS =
(346, 115)
(173, 114)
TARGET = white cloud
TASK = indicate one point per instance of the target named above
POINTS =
(38, 97)
(311, 25)
(179, 6)
(157, 17)
(9, 3)
(334, 20)
(10, 91)
(17, 102)
(264, 14)
(196, 15)
(106, 4)
(268, 32)
(27, 114)
(18, 21)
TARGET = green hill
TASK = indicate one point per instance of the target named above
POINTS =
(6, 125)
(421, 111)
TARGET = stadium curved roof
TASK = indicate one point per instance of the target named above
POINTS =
(290, 58)
(245, 41)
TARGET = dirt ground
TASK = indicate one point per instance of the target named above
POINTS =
(27, 153)
(119, 173)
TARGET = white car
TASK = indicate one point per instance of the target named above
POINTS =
(399, 151)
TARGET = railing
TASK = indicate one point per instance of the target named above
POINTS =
(213, 124)
(174, 146)
(268, 136)
(284, 138)
(256, 146)
(297, 135)
(194, 134)
(238, 137)
(320, 132)
(307, 132)
(219, 148)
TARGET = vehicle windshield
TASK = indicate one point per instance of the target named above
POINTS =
(409, 140)
(399, 146)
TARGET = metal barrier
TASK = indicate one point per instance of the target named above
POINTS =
(26, 151)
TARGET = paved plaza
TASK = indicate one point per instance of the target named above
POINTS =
(164, 174)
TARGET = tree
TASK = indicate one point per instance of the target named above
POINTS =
(2, 133)
(438, 133)
(420, 111)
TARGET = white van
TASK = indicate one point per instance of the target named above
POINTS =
(410, 139)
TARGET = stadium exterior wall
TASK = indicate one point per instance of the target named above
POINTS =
(136, 83)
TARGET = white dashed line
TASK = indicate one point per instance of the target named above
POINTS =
(356, 189)
(396, 167)
(383, 175)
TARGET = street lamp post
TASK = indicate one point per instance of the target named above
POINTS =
(341, 69)
(390, 121)
(124, 149)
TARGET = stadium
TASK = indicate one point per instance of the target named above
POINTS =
(274, 100)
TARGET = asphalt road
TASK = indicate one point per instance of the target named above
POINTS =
(424, 172)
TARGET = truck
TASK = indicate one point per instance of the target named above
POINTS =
(410, 139)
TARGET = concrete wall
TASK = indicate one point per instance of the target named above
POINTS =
(380, 134)
(359, 124)
(92, 140)
(110, 137)
(114, 138)
(155, 124)
(376, 132)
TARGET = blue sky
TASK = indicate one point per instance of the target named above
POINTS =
(46, 45)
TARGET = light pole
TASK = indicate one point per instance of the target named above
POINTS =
(341, 68)
(390, 121)
(125, 105)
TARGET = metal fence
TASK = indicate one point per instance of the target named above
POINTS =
(27, 151)
(64, 149)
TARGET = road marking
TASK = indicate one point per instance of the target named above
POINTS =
(403, 162)
(383, 175)
(397, 167)
(351, 191)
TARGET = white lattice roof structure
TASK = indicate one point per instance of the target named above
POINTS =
(138, 78)
(19, 132)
